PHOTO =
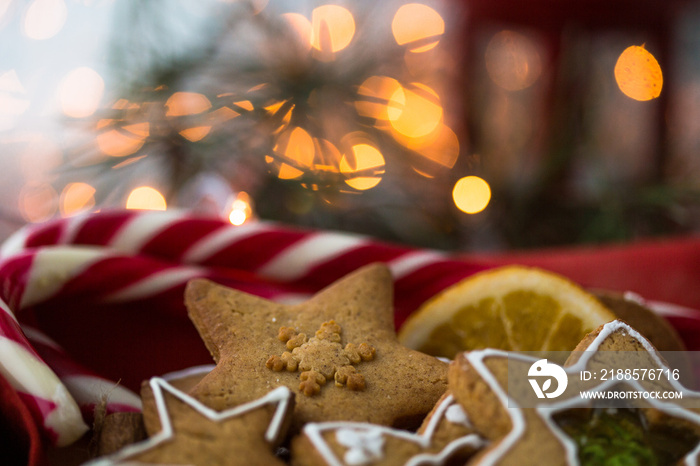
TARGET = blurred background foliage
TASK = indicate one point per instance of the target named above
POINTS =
(467, 125)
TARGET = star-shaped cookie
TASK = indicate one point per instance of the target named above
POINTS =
(193, 434)
(446, 435)
(528, 423)
(338, 352)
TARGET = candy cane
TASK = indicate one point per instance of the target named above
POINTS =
(118, 258)
(48, 400)
(303, 259)
(88, 389)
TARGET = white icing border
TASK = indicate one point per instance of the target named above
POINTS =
(476, 359)
(280, 396)
(314, 432)
(187, 372)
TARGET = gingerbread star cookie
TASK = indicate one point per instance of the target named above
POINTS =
(338, 352)
(533, 411)
(193, 434)
(446, 435)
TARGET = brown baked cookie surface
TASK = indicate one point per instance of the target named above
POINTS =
(558, 425)
(189, 433)
(338, 352)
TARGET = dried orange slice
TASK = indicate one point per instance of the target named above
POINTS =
(511, 308)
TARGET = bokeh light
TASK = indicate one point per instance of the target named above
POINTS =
(182, 104)
(76, 197)
(37, 202)
(471, 194)
(121, 141)
(146, 198)
(638, 74)
(44, 19)
(367, 159)
(374, 97)
(332, 29)
(12, 99)
(414, 111)
(440, 150)
(301, 27)
(241, 209)
(513, 61)
(295, 148)
(80, 92)
(417, 26)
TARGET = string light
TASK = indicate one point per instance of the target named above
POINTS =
(76, 197)
(332, 29)
(365, 158)
(80, 92)
(241, 209)
(182, 104)
(37, 202)
(471, 194)
(146, 198)
(415, 111)
(44, 19)
(120, 142)
(417, 26)
(638, 74)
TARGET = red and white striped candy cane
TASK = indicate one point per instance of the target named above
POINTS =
(295, 260)
(127, 270)
(48, 400)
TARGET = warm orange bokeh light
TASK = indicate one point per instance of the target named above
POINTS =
(332, 29)
(471, 194)
(44, 19)
(120, 142)
(374, 97)
(301, 28)
(512, 61)
(186, 103)
(222, 115)
(37, 202)
(76, 197)
(300, 147)
(237, 217)
(189, 103)
(440, 148)
(414, 112)
(297, 147)
(417, 26)
(80, 92)
(366, 158)
(241, 210)
(245, 105)
(146, 198)
(638, 74)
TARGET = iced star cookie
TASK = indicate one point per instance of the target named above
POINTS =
(446, 435)
(193, 434)
(338, 352)
(632, 309)
(117, 430)
(562, 427)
